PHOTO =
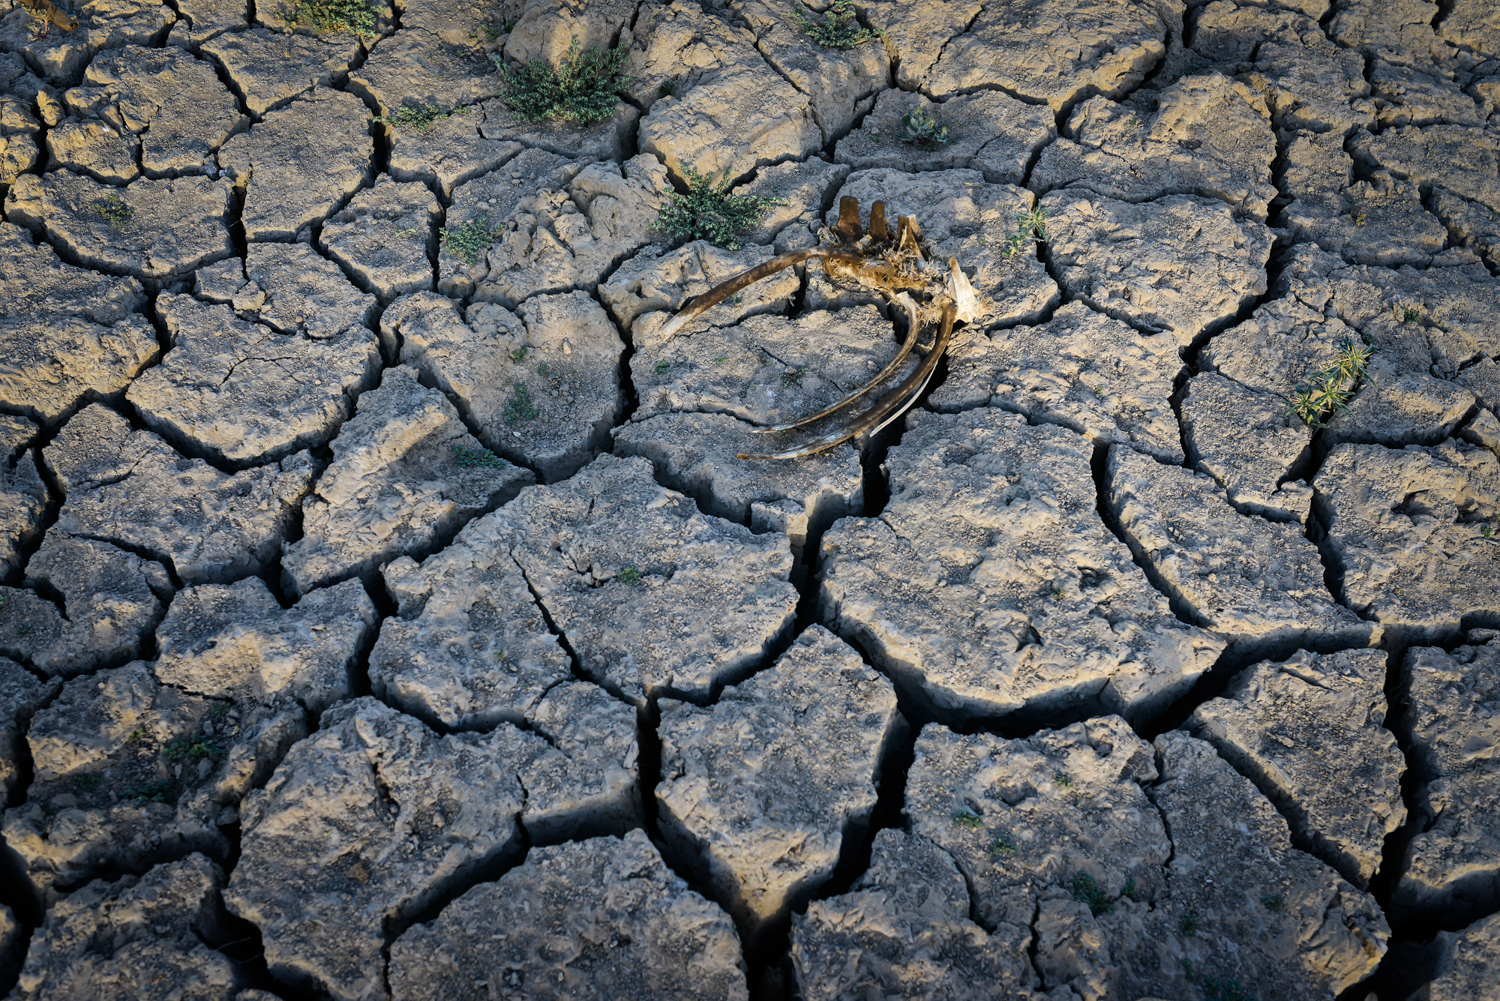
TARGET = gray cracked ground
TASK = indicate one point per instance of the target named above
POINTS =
(384, 618)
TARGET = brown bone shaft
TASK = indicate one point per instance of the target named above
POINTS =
(848, 227)
(730, 286)
(888, 409)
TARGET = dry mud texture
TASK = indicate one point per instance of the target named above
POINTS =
(378, 622)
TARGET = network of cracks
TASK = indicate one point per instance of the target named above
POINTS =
(386, 616)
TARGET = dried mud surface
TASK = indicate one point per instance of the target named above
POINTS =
(383, 622)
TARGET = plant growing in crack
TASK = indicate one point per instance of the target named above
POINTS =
(629, 575)
(418, 118)
(1031, 225)
(1086, 890)
(709, 212)
(837, 29)
(581, 89)
(467, 241)
(192, 749)
(470, 458)
(1329, 390)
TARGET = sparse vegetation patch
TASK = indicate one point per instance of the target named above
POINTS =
(354, 17)
(114, 210)
(581, 89)
(837, 28)
(709, 212)
(468, 240)
(1329, 391)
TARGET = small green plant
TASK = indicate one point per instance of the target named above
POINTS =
(87, 783)
(1329, 390)
(1063, 779)
(794, 378)
(1486, 530)
(114, 211)
(470, 458)
(663, 367)
(355, 17)
(837, 29)
(1002, 846)
(418, 119)
(220, 710)
(1131, 890)
(665, 90)
(629, 576)
(1059, 593)
(581, 89)
(1189, 924)
(719, 361)
(136, 736)
(487, 33)
(409, 231)
(193, 749)
(468, 240)
(518, 408)
(1224, 990)
(1410, 315)
(518, 355)
(151, 792)
(969, 819)
(1086, 890)
(1272, 902)
(709, 212)
(1189, 971)
(1033, 223)
(918, 128)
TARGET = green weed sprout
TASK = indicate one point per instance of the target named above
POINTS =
(196, 749)
(470, 458)
(518, 408)
(1329, 391)
(1030, 225)
(468, 241)
(114, 210)
(629, 576)
(1086, 890)
(918, 128)
(709, 212)
(418, 119)
(966, 818)
(837, 29)
(581, 89)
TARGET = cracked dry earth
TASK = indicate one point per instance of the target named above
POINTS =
(379, 625)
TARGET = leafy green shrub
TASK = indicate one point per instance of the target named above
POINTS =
(710, 212)
(1328, 392)
(581, 89)
(837, 29)
(629, 576)
(151, 792)
(356, 17)
(114, 210)
(468, 241)
(918, 128)
(1086, 890)
(468, 458)
(194, 749)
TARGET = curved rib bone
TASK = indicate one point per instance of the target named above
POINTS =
(888, 409)
(912, 330)
(729, 287)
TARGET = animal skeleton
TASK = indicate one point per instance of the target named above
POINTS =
(895, 266)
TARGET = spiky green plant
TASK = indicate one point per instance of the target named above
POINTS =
(918, 128)
(581, 89)
(1329, 390)
(709, 212)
